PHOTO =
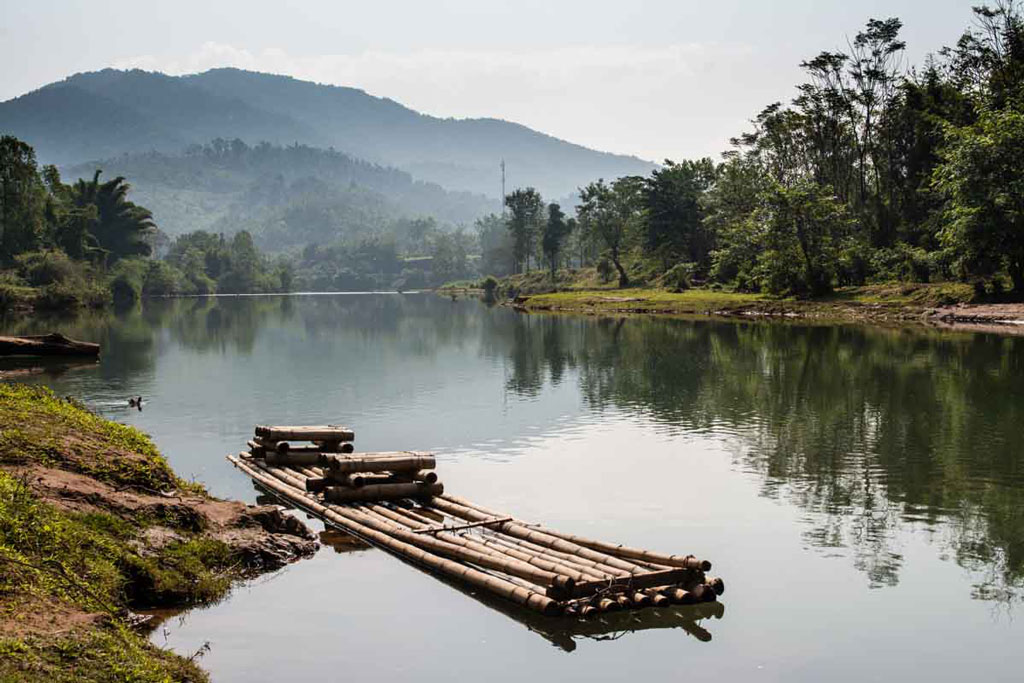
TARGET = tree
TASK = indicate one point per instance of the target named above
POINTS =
(982, 180)
(496, 248)
(612, 213)
(801, 229)
(449, 252)
(673, 220)
(553, 237)
(122, 227)
(22, 199)
(525, 208)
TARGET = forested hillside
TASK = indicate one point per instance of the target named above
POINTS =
(107, 113)
(284, 196)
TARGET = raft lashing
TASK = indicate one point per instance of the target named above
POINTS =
(395, 502)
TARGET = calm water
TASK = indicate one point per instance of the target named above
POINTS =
(861, 491)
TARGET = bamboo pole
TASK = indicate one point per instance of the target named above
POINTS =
(372, 492)
(387, 462)
(559, 584)
(510, 591)
(427, 476)
(481, 547)
(683, 561)
(292, 458)
(598, 568)
(540, 538)
(300, 433)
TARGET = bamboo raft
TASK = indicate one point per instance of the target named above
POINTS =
(394, 501)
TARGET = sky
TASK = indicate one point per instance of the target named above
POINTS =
(660, 79)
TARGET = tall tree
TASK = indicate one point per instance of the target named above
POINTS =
(553, 237)
(22, 199)
(122, 228)
(612, 214)
(674, 217)
(982, 179)
(525, 210)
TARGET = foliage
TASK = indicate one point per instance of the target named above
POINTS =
(873, 172)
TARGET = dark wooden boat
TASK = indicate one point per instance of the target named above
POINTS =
(53, 344)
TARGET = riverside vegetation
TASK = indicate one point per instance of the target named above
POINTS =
(874, 174)
(94, 524)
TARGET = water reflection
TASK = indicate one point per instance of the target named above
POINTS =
(871, 432)
(868, 430)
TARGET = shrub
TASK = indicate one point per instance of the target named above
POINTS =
(41, 268)
(680, 276)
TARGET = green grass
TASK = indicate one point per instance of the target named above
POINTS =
(71, 564)
(895, 299)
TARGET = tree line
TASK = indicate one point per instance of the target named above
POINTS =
(87, 243)
(875, 171)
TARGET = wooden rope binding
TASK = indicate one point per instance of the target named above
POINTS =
(460, 527)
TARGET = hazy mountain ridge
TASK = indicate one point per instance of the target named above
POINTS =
(107, 113)
(285, 196)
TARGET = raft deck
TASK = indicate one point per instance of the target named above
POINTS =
(393, 501)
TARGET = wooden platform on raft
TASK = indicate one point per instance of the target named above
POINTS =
(394, 501)
(53, 344)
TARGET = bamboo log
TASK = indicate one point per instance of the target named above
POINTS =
(590, 574)
(316, 484)
(385, 462)
(683, 561)
(268, 446)
(506, 589)
(556, 584)
(339, 494)
(53, 344)
(559, 583)
(634, 582)
(529, 534)
(330, 433)
(487, 549)
(427, 476)
(600, 570)
(293, 458)
(335, 446)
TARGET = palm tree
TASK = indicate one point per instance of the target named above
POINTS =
(121, 228)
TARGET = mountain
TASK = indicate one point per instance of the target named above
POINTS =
(285, 196)
(106, 113)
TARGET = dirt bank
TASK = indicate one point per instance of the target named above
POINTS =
(94, 525)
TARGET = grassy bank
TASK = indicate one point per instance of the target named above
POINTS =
(94, 525)
(876, 302)
(582, 291)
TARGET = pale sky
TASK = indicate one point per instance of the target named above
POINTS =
(655, 78)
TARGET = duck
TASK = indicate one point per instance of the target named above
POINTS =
(135, 402)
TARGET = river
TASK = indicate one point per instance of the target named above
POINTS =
(860, 490)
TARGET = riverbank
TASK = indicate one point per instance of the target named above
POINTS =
(864, 304)
(94, 526)
(937, 304)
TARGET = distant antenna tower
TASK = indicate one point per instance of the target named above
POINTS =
(502, 188)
